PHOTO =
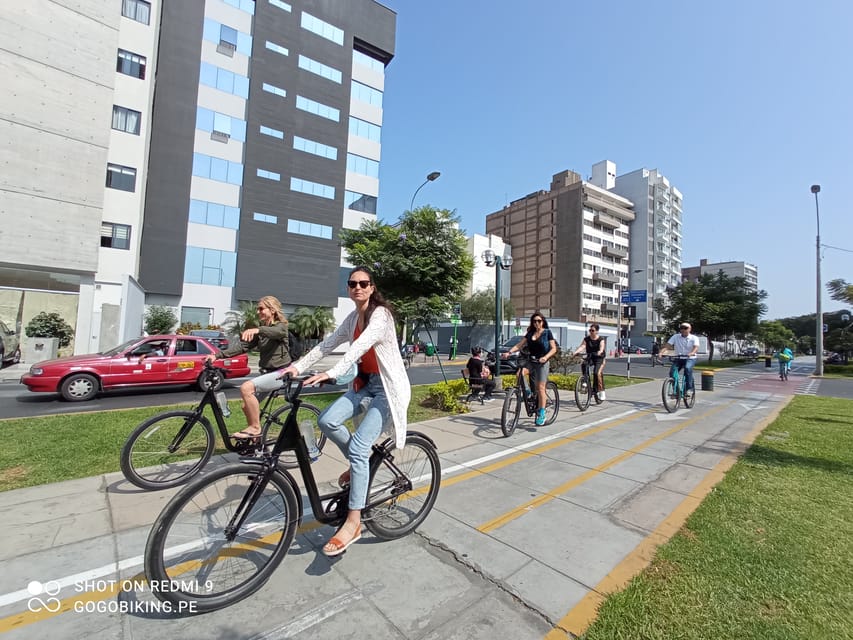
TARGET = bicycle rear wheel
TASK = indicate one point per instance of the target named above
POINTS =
(191, 558)
(402, 509)
(511, 411)
(669, 396)
(583, 393)
(167, 450)
(307, 412)
(552, 402)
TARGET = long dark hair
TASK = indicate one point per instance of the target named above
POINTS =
(376, 299)
(536, 314)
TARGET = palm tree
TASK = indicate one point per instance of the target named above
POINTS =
(312, 323)
(246, 318)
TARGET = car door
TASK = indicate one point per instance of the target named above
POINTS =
(188, 360)
(145, 363)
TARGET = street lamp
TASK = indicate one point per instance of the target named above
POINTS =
(499, 263)
(819, 322)
(430, 177)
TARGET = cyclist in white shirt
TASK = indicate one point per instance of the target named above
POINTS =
(684, 345)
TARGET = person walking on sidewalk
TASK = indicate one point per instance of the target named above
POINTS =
(478, 373)
(542, 345)
(271, 341)
(382, 379)
(595, 347)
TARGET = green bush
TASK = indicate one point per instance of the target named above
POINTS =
(159, 319)
(50, 325)
(446, 396)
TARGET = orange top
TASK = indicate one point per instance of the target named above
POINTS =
(368, 363)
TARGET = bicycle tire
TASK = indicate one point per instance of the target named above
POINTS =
(403, 510)
(552, 402)
(274, 424)
(218, 572)
(689, 398)
(668, 395)
(511, 411)
(583, 393)
(145, 458)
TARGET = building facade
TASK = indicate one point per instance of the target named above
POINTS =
(656, 237)
(570, 248)
(263, 142)
(733, 269)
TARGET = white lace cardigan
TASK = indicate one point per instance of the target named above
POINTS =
(380, 334)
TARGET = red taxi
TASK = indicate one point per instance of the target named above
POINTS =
(149, 361)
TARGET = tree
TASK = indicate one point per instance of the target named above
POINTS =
(717, 306)
(480, 308)
(774, 334)
(840, 290)
(50, 325)
(311, 322)
(421, 264)
(160, 319)
(236, 322)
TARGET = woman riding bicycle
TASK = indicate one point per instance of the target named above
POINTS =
(542, 346)
(594, 345)
(382, 378)
(685, 345)
(270, 339)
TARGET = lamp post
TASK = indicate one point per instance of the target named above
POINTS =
(618, 350)
(430, 177)
(628, 332)
(494, 260)
(818, 371)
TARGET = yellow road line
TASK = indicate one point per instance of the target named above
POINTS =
(579, 618)
(556, 492)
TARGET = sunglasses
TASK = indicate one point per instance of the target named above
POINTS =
(352, 284)
(593, 330)
(684, 328)
(261, 308)
(537, 320)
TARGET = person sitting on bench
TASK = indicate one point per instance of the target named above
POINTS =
(478, 373)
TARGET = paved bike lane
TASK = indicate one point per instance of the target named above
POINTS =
(527, 535)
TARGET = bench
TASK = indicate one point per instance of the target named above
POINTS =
(475, 387)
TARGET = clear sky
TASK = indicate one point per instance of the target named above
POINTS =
(742, 105)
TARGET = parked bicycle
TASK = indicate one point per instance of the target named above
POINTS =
(673, 391)
(220, 538)
(586, 387)
(170, 448)
(523, 395)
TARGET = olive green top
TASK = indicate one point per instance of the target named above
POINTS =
(272, 345)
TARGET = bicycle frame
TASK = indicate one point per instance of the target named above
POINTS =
(678, 363)
(530, 393)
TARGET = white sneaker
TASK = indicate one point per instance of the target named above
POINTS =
(602, 396)
(488, 399)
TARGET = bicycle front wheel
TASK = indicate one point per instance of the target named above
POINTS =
(552, 402)
(689, 398)
(583, 393)
(511, 411)
(669, 396)
(193, 556)
(401, 509)
(167, 450)
(307, 413)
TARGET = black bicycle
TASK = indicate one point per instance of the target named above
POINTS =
(586, 388)
(220, 538)
(170, 448)
(521, 395)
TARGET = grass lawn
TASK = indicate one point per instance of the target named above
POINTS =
(768, 554)
(55, 448)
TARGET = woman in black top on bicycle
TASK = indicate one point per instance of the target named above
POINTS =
(594, 345)
(542, 346)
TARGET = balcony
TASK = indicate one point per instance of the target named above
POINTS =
(606, 220)
(614, 252)
(605, 277)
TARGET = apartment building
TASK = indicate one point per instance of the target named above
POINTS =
(570, 248)
(656, 237)
(733, 269)
(262, 143)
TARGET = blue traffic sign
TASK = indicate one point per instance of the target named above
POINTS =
(634, 295)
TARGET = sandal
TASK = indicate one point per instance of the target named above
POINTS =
(343, 479)
(335, 546)
(246, 435)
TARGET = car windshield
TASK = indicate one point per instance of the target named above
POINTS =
(512, 342)
(205, 333)
(121, 348)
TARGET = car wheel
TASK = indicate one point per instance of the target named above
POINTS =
(79, 387)
(17, 357)
(217, 380)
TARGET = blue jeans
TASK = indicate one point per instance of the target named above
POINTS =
(356, 447)
(688, 373)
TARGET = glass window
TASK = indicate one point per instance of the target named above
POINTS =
(318, 108)
(275, 133)
(368, 61)
(366, 94)
(321, 28)
(271, 88)
(210, 266)
(312, 188)
(316, 148)
(222, 123)
(364, 129)
(228, 35)
(244, 5)
(362, 165)
(130, 64)
(269, 175)
(224, 80)
(217, 169)
(115, 236)
(272, 46)
(138, 10)
(264, 217)
(360, 202)
(309, 229)
(120, 177)
(322, 70)
(126, 120)
(281, 5)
